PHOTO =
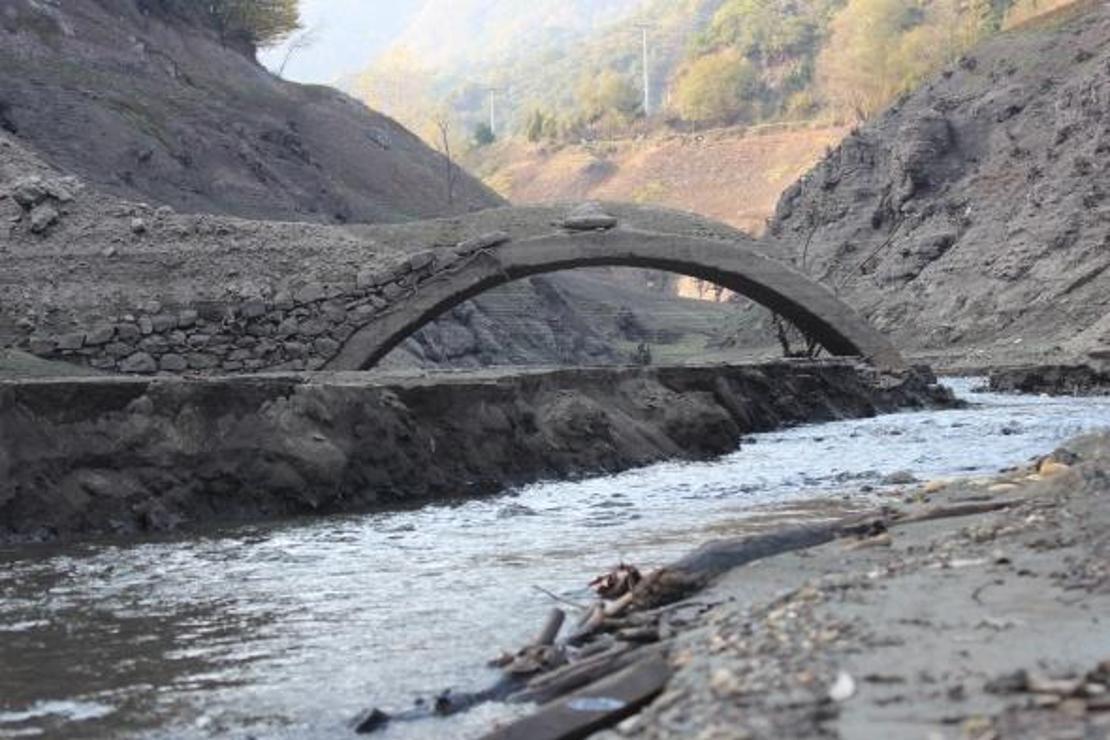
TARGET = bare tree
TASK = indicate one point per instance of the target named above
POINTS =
(442, 121)
(300, 42)
(786, 332)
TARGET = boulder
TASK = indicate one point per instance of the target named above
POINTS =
(43, 216)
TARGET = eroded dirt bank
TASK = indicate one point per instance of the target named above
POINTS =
(1076, 380)
(119, 456)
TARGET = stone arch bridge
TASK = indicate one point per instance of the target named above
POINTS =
(352, 324)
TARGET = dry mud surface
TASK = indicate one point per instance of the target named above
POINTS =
(987, 626)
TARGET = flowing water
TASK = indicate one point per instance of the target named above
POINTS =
(289, 630)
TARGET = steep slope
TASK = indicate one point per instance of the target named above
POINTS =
(154, 110)
(732, 175)
(970, 219)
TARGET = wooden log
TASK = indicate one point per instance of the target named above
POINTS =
(588, 710)
(551, 627)
(562, 681)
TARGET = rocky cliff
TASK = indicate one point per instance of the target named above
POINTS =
(971, 219)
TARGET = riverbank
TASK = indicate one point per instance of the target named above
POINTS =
(979, 626)
(119, 456)
(1074, 380)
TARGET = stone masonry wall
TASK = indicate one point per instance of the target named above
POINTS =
(301, 328)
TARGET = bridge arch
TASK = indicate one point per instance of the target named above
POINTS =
(810, 306)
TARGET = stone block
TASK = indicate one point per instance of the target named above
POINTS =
(309, 294)
(295, 349)
(173, 363)
(70, 341)
(163, 322)
(421, 260)
(485, 241)
(312, 328)
(139, 363)
(42, 345)
(128, 332)
(198, 361)
(100, 336)
(253, 309)
(326, 347)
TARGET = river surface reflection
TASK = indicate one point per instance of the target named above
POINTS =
(289, 630)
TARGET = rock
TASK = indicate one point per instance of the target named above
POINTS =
(163, 322)
(485, 241)
(1002, 488)
(100, 336)
(326, 347)
(128, 332)
(199, 361)
(138, 225)
(187, 319)
(295, 350)
(393, 292)
(421, 260)
(42, 346)
(173, 363)
(253, 309)
(287, 328)
(308, 294)
(899, 478)
(370, 721)
(71, 341)
(43, 217)
(29, 192)
(62, 189)
(843, 689)
(589, 217)
(934, 486)
(139, 363)
(1050, 467)
(146, 326)
(367, 279)
(312, 328)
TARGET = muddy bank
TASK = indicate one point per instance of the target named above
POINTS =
(1055, 380)
(981, 626)
(119, 456)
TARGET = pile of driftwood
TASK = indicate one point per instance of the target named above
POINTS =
(614, 660)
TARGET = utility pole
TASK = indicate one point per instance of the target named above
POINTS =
(493, 108)
(644, 28)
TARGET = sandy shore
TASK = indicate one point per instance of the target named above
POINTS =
(988, 626)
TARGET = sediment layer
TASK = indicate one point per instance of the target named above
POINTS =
(83, 457)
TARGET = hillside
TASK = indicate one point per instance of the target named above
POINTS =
(154, 110)
(969, 220)
(732, 175)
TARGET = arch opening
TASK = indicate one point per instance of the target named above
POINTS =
(798, 299)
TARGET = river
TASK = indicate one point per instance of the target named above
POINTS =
(291, 629)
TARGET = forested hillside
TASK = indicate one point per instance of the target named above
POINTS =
(573, 71)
